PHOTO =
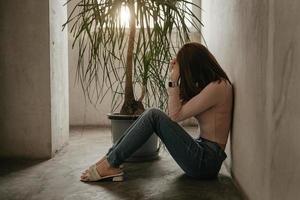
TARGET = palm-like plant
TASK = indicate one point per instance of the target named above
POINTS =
(143, 48)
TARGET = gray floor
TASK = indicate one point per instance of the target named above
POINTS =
(58, 178)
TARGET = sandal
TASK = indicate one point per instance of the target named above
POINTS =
(105, 157)
(93, 175)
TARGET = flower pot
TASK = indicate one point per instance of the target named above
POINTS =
(119, 124)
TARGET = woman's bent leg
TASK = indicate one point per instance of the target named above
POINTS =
(123, 135)
(182, 147)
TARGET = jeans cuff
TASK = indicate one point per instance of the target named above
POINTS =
(113, 159)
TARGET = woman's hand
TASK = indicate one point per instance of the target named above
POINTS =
(174, 70)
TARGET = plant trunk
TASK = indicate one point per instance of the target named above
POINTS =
(130, 105)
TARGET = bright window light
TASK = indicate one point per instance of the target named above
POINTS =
(124, 16)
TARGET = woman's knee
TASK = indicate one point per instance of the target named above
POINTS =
(155, 112)
(157, 117)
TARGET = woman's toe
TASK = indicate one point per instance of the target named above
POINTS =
(84, 175)
(83, 178)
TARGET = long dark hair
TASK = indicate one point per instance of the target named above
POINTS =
(198, 67)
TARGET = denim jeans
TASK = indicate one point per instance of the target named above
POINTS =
(198, 158)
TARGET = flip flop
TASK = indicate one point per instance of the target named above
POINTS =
(93, 175)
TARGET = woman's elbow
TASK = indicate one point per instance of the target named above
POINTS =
(174, 117)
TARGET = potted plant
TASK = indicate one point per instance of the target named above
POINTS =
(138, 49)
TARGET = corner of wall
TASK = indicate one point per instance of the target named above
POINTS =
(58, 41)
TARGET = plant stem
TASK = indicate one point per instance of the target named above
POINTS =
(129, 96)
(143, 93)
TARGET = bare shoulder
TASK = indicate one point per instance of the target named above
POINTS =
(221, 85)
(221, 89)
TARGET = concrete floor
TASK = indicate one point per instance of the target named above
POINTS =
(58, 178)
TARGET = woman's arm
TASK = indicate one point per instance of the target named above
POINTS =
(207, 98)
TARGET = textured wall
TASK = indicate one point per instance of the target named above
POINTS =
(34, 117)
(257, 43)
(25, 121)
(285, 137)
(82, 112)
(59, 75)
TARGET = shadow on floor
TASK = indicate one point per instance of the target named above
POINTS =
(58, 177)
(8, 166)
(155, 180)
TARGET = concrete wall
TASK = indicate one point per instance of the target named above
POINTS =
(25, 78)
(59, 74)
(257, 42)
(29, 126)
(284, 132)
(83, 112)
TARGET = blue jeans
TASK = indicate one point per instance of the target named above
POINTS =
(198, 158)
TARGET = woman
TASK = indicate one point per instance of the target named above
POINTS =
(198, 88)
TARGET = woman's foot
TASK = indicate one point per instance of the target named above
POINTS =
(103, 168)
